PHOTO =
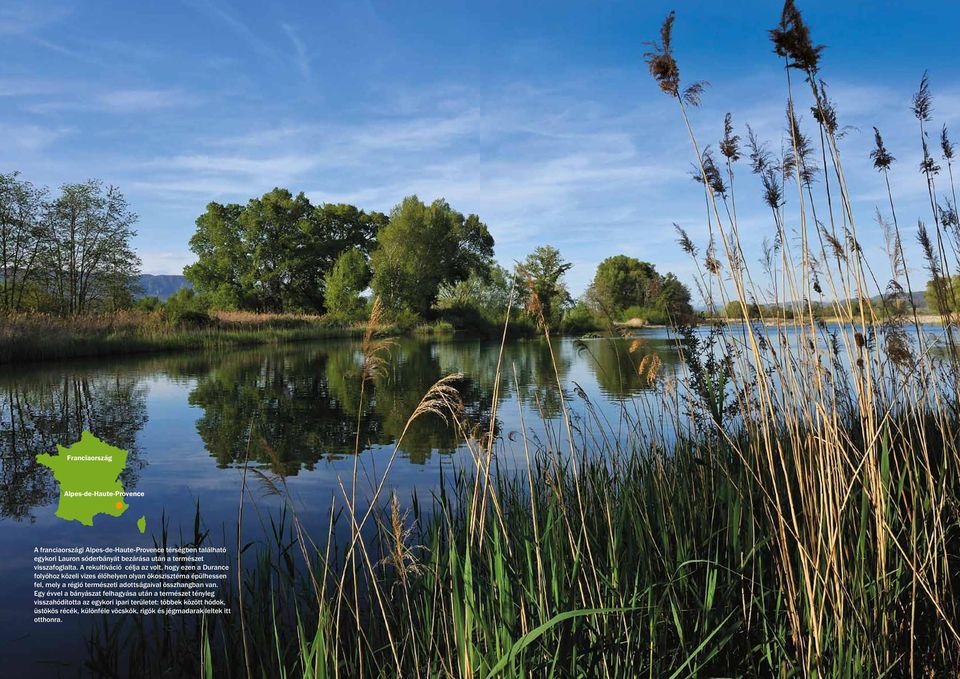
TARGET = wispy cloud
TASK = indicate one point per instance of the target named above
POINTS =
(120, 101)
(222, 13)
(301, 57)
(18, 18)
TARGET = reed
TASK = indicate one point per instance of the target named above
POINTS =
(39, 337)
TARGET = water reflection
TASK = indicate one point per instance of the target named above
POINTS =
(288, 407)
(50, 409)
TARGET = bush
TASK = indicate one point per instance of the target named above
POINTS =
(579, 320)
(151, 303)
(186, 308)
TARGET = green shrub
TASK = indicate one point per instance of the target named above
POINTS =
(579, 320)
(185, 308)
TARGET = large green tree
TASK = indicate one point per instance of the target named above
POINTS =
(348, 278)
(545, 291)
(274, 253)
(621, 282)
(424, 247)
(625, 284)
(942, 294)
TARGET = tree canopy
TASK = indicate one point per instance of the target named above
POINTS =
(424, 247)
(70, 253)
(274, 253)
(626, 286)
(546, 292)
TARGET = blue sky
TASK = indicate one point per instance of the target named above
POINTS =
(538, 116)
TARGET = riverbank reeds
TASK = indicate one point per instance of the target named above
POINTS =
(40, 337)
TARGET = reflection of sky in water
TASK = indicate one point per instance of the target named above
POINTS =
(159, 403)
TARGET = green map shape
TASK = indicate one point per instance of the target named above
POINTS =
(142, 524)
(96, 482)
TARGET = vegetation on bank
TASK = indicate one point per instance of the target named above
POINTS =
(36, 337)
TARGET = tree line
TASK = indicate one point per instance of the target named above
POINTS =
(281, 253)
(67, 252)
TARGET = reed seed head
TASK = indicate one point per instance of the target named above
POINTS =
(882, 159)
(922, 101)
(660, 60)
(791, 40)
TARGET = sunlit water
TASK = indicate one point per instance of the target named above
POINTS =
(189, 422)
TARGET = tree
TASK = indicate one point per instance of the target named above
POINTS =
(22, 237)
(546, 292)
(349, 277)
(734, 310)
(487, 291)
(621, 282)
(222, 265)
(626, 287)
(424, 247)
(88, 254)
(942, 294)
(274, 253)
(673, 299)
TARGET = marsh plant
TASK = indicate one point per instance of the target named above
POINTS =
(791, 509)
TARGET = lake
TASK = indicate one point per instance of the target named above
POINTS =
(189, 421)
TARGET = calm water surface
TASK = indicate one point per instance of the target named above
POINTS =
(189, 421)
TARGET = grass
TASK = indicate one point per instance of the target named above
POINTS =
(791, 507)
(36, 337)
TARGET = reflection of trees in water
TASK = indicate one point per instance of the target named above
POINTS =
(536, 374)
(40, 412)
(616, 367)
(304, 405)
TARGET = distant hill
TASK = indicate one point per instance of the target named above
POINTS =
(161, 286)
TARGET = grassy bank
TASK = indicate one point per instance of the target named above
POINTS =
(37, 337)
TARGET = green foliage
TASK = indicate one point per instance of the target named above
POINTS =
(22, 238)
(149, 303)
(187, 308)
(580, 320)
(70, 254)
(424, 247)
(943, 294)
(622, 282)
(543, 289)
(349, 277)
(624, 288)
(734, 310)
(274, 253)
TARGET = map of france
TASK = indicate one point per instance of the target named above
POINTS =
(89, 476)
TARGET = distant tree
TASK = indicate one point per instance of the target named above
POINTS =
(733, 310)
(424, 247)
(943, 294)
(274, 253)
(23, 234)
(621, 282)
(627, 287)
(673, 299)
(348, 278)
(545, 291)
(87, 255)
